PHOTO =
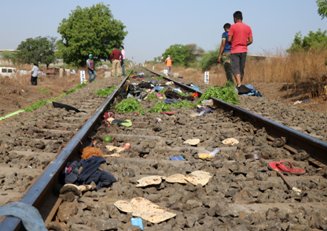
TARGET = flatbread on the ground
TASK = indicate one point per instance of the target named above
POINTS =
(176, 178)
(149, 180)
(141, 207)
(198, 177)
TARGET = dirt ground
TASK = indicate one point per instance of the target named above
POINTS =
(17, 92)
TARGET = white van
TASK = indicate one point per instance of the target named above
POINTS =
(7, 71)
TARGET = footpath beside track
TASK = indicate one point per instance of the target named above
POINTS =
(242, 193)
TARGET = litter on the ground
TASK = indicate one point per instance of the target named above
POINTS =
(208, 155)
(91, 151)
(286, 167)
(84, 172)
(195, 178)
(115, 149)
(76, 189)
(141, 207)
(208, 103)
(29, 215)
(177, 157)
(137, 222)
(198, 177)
(149, 180)
(192, 142)
(65, 106)
(230, 141)
(176, 178)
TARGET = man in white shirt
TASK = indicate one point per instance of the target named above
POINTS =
(35, 73)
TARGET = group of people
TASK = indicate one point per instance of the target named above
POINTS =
(232, 54)
(117, 58)
(233, 48)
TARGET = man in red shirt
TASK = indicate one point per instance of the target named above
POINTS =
(240, 36)
(115, 58)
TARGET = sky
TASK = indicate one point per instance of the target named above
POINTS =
(154, 25)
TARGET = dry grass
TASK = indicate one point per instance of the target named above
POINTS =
(276, 68)
(294, 68)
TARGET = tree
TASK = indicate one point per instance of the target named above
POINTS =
(322, 8)
(208, 60)
(36, 50)
(313, 41)
(183, 55)
(89, 30)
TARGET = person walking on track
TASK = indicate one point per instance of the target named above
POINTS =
(90, 68)
(224, 54)
(240, 37)
(169, 64)
(115, 58)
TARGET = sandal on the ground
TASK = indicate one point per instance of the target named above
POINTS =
(168, 112)
(285, 166)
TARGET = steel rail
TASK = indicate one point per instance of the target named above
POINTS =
(45, 185)
(315, 147)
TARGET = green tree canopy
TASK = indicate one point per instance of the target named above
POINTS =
(183, 55)
(36, 50)
(322, 8)
(208, 60)
(313, 41)
(89, 30)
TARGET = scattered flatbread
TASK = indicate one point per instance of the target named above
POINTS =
(141, 207)
(113, 155)
(198, 177)
(111, 148)
(230, 141)
(176, 178)
(192, 142)
(149, 180)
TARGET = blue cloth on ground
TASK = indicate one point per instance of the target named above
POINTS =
(29, 215)
(248, 89)
(158, 88)
(90, 173)
(253, 91)
(170, 101)
(177, 157)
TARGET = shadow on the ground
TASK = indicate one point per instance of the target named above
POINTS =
(308, 89)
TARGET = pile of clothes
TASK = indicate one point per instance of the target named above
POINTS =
(87, 170)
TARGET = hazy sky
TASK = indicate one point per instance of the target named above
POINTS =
(155, 25)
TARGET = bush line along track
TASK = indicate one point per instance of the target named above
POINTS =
(233, 174)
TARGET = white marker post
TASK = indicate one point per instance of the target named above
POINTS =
(82, 77)
(206, 77)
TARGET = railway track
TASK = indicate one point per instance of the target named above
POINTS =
(241, 194)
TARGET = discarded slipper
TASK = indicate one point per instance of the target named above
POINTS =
(273, 166)
(168, 112)
(285, 166)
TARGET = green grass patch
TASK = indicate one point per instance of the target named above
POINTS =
(184, 104)
(152, 97)
(129, 105)
(226, 93)
(160, 107)
(42, 102)
(104, 92)
(44, 90)
(74, 89)
(36, 105)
